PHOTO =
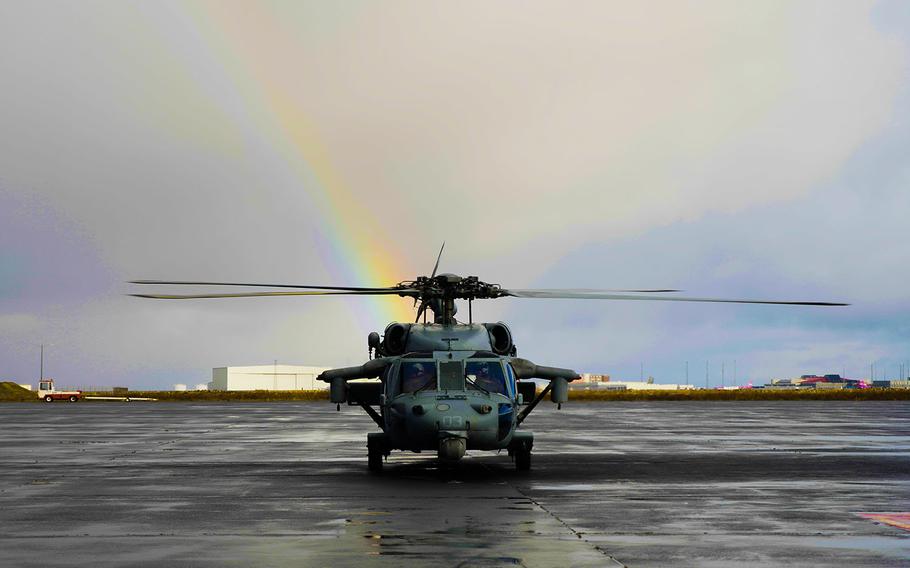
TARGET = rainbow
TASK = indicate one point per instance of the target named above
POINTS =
(353, 246)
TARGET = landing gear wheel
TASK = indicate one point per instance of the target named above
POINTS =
(48, 398)
(522, 459)
(377, 449)
(74, 398)
(374, 460)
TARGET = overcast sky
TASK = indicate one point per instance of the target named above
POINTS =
(735, 149)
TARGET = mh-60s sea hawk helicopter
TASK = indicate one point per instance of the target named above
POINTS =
(448, 386)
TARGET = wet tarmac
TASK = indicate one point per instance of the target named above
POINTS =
(285, 484)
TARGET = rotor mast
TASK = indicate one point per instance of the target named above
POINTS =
(440, 292)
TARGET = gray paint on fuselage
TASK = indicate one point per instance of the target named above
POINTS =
(434, 337)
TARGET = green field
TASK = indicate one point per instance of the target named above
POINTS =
(220, 396)
(11, 392)
(579, 396)
(743, 394)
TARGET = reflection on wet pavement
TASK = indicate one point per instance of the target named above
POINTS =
(285, 484)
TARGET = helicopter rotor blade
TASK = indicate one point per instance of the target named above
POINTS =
(603, 290)
(607, 295)
(439, 256)
(420, 310)
(308, 287)
(400, 292)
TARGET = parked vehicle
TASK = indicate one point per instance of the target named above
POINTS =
(48, 393)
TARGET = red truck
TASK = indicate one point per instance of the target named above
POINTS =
(47, 392)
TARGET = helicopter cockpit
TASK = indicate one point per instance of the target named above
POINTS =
(488, 376)
(415, 376)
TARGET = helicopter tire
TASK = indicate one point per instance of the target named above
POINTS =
(376, 451)
(522, 459)
(374, 460)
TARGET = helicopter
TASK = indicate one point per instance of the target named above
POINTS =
(448, 386)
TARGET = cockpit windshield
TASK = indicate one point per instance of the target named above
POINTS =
(417, 376)
(486, 375)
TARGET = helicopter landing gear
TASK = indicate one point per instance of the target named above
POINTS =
(374, 460)
(520, 450)
(377, 449)
(522, 460)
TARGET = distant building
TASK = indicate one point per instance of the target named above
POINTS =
(201, 387)
(587, 378)
(267, 377)
(820, 381)
(628, 385)
(180, 387)
(643, 385)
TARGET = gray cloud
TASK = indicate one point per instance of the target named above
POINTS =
(549, 145)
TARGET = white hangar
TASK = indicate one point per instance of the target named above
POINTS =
(267, 377)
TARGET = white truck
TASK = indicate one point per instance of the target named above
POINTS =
(47, 393)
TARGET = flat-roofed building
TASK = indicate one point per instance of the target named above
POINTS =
(589, 378)
(642, 385)
(267, 377)
(627, 385)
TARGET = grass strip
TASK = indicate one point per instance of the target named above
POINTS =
(11, 392)
(224, 396)
(740, 394)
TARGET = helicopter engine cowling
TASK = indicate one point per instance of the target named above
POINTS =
(500, 338)
(396, 338)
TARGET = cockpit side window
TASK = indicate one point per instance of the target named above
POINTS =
(486, 375)
(417, 376)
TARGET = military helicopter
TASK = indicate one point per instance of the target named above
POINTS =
(447, 386)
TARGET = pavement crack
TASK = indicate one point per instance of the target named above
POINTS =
(568, 527)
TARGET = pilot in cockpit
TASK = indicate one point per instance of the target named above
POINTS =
(486, 379)
(416, 376)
